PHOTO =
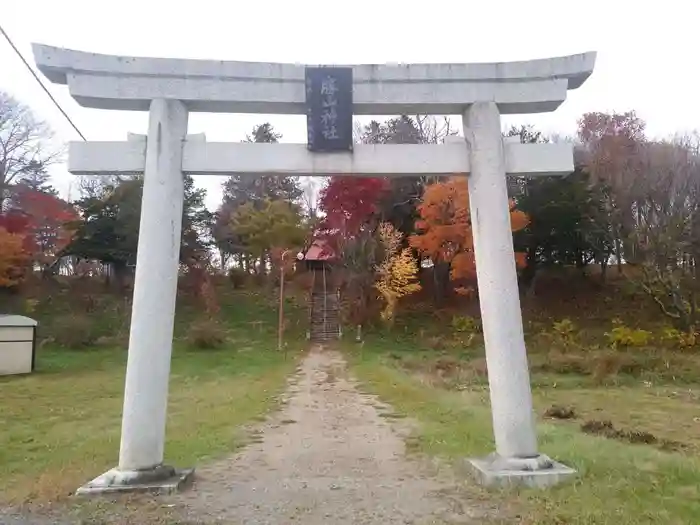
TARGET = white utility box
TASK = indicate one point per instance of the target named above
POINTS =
(17, 344)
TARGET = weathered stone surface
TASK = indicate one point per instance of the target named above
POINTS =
(130, 83)
(495, 471)
(161, 480)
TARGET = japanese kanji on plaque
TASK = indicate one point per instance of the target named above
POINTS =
(329, 108)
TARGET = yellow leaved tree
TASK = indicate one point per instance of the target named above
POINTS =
(397, 275)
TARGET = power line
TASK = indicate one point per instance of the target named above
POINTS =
(36, 77)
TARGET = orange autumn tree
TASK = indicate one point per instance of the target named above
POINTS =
(444, 228)
(13, 258)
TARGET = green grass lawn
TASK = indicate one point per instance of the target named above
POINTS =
(618, 482)
(60, 426)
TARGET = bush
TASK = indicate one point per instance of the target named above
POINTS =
(466, 324)
(678, 338)
(206, 335)
(562, 337)
(238, 277)
(465, 330)
(565, 330)
(30, 305)
(624, 336)
(610, 364)
(73, 331)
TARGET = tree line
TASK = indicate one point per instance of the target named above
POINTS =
(631, 202)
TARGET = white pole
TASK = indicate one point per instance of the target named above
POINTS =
(506, 358)
(155, 289)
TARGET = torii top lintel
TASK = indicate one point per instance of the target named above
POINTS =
(130, 83)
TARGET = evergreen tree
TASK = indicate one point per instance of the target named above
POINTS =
(108, 228)
(256, 192)
(35, 177)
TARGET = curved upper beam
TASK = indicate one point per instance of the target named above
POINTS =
(129, 83)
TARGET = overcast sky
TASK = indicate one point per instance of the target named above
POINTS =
(647, 51)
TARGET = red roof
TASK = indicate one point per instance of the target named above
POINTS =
(319, 251)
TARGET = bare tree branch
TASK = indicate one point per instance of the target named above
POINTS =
(24, 143)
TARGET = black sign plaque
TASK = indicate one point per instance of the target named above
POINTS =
(329, 109)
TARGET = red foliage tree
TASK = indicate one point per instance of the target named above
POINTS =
(43, 219)
(349, 203)
(14, 221)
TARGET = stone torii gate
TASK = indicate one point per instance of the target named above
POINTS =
(171, 88)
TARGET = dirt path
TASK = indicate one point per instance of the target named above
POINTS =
(327, 457)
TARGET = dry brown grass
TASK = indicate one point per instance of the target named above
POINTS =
(670, 414)
(618, 481)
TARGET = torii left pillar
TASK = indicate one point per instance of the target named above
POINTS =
(153, 312)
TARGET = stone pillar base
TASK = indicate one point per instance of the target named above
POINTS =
(160, 480)
(540, 471)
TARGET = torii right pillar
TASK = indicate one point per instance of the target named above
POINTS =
(516, 460)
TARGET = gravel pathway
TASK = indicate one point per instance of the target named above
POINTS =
(328, 457)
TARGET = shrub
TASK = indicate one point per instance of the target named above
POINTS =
(465, 331)
(238, 277)
(565, 330)
(73, 331)
(466, 324)
(624, 336)
(30, 305)
(610, 364)
(678, 338)
(259, 279)
(206, 335)
(562, 336)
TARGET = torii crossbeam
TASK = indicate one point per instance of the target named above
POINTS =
(171, 88)
(368, 160)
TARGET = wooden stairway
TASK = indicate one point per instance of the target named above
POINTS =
(324, 322)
